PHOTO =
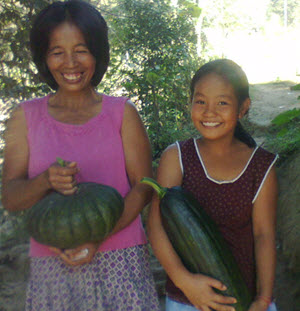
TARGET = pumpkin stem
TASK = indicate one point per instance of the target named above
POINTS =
(161, 191)
(61, 162)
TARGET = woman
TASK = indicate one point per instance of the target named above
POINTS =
(103, 140)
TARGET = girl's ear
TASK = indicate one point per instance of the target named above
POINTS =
(244, 107)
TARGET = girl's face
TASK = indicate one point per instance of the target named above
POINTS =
(215, 110)
(69, 59)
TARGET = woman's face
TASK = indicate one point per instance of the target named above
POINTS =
(215, 110)
(69, 60)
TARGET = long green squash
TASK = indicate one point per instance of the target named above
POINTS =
(67, 221)
(198, 242)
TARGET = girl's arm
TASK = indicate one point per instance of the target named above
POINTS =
(264, 215)
(197, 288)
(19, 192)
(138, 159)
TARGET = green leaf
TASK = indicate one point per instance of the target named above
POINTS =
(286, 117)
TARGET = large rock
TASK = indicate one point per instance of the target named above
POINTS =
(14, 262)
(287, 289)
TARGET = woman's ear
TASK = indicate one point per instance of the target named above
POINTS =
(244, 107)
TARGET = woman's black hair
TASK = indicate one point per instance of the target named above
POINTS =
(234, 74)
(88, 20)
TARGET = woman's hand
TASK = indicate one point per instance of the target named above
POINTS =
(62, 178)
(77, 256)
(198, 289)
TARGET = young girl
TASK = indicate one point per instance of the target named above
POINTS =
(235, 182)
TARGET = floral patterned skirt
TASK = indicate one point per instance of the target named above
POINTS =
(118, 280)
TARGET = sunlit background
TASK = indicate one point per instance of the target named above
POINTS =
(264, 44)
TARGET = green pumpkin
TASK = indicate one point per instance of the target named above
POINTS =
(67, 221)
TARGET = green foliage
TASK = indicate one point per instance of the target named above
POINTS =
(19, 80)
(295, 87)
(284, 134)
(153, 58)
(277, 7)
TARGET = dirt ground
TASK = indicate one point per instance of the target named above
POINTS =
(270, 99)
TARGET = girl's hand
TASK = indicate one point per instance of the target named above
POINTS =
(259, 305)
(77, 256)
(199, 290)
(62, 178)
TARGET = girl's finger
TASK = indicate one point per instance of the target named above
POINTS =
(204, 308)
(220, 307)
(224, 299)
(216, 284)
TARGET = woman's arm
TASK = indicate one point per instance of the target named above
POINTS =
(138, 159)
(19, 192)
(264, 217)
(197, 288)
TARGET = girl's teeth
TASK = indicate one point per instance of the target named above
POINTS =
(210, 124)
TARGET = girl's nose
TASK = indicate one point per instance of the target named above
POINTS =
(209, 109)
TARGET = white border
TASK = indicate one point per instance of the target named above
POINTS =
(223, 181)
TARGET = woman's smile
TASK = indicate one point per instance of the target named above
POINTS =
(72, 77)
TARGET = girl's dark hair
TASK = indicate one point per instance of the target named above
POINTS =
(88, 20)
(234, 74)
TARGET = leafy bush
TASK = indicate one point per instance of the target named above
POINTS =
(295, 87)
(284, 134)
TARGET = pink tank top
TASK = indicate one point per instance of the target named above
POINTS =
(97, 148)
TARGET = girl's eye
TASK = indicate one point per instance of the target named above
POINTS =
(200, 102)
(222, 103)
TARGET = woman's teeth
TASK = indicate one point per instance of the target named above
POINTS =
(72, 76)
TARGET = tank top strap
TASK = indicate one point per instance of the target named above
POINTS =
(188, 158)
(259, 167)
(114, 108)
(34, 110)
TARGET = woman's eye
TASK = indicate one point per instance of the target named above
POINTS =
(55, 53)
(82, 51)
(200, 102)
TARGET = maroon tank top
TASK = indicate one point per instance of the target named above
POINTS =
(229, 203)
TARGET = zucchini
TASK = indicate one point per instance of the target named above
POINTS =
(198, 242)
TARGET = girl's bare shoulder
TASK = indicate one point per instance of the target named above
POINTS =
(169, 172)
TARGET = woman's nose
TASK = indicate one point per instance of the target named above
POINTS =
(70, 60)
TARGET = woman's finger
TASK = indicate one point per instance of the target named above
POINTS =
(55, 250)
